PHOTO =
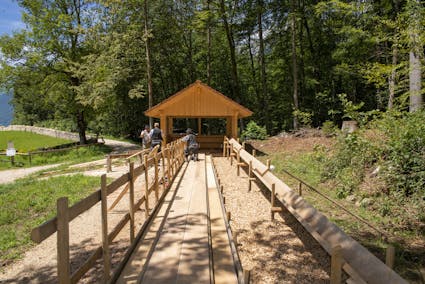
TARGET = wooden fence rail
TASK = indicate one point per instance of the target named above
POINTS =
(173, 153)
(360, 264)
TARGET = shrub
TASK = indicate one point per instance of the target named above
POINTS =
(254, 131)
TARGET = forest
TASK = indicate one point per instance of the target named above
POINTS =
(97, 65)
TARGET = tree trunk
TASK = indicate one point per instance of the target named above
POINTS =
(81, 123)
(148, 61)
(208, 44)
(265, 96)
(294, 63)
(415, 74)
(234, 71)
(391, 80)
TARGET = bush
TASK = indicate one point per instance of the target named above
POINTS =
(254, 131)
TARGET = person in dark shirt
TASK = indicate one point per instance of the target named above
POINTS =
(156, 136)
(192, 147)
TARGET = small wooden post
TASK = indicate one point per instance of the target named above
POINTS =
(221, 189)
(29, 156)
(169, 167)
(246, 276)
(272, 199)
(105, 239)
(268, 164)
(231, 154)
(250, 176)
(235, 238)
(108, 164)
(224, 199)
(254, 152)
(228, 215)
(300, 189)
(238, 159)
(146, 187)
(224, 148)
(156, 183)
(243, 145)
(131, 201)
(390, 256)
(336, 264)
(63, 264)
(163, 170)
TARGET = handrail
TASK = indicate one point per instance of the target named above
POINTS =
(359, 262)
(172, 152)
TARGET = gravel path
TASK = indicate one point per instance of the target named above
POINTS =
(278, 251)
(11, 175)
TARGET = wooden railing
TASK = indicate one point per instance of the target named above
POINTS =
(346, 253)
(172, 157)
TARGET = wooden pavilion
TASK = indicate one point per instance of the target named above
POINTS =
(208, 112)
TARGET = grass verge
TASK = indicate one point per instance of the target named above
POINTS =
(27, 203)
(27, 141)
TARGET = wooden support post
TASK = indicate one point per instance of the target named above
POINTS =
(221, 189)
(272, 200)
(146, 187)
(254, 152)
(63, 264)
(108, 164)
(250, 176)
(238, 158)
(224, 148)
(268, 164)
(105, 239)
(231, 154)
(246, 276)
(156, 183)
(390, 256)
(228, 215)
(235, 238)
(169, 168)
(336, 264)
(131, 201)
(164, 178)
(224, 199)
(300, 189)
(243, 145)
(239, 140)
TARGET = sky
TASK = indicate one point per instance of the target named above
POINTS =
(10, 17)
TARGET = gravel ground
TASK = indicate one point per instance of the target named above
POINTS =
(39, 263)
(278, 251)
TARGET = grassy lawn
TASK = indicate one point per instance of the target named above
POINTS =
(27, 141)
(27, 203)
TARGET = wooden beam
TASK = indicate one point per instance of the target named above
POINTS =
(63, 264)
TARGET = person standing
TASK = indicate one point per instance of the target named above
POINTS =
(156, 136)
(145, 137)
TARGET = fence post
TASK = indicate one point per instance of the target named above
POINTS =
(105, 238)
(300, 189)
(390, 256)
(336, 264)
(224, 147)
(146, 186)
(131, 195)
(238, 159)
(156, 185)
(169, 165)
(231, 155)
(250, 176)
(164, 178)
(63, 264)
(268, 164)
(246, 276)
(108, 164)
(272, 200)
(254, 152)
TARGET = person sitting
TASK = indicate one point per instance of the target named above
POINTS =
(192, 147)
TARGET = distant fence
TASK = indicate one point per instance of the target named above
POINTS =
(44, 131)
(359, 263)
(172, 157)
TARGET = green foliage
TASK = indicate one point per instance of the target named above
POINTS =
(27, 203)
(27, 141)
(254, 131)
(395, 143)
(329, 128)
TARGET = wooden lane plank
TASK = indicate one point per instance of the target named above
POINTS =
(181, 249)
(223, 264)
(194, 265)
